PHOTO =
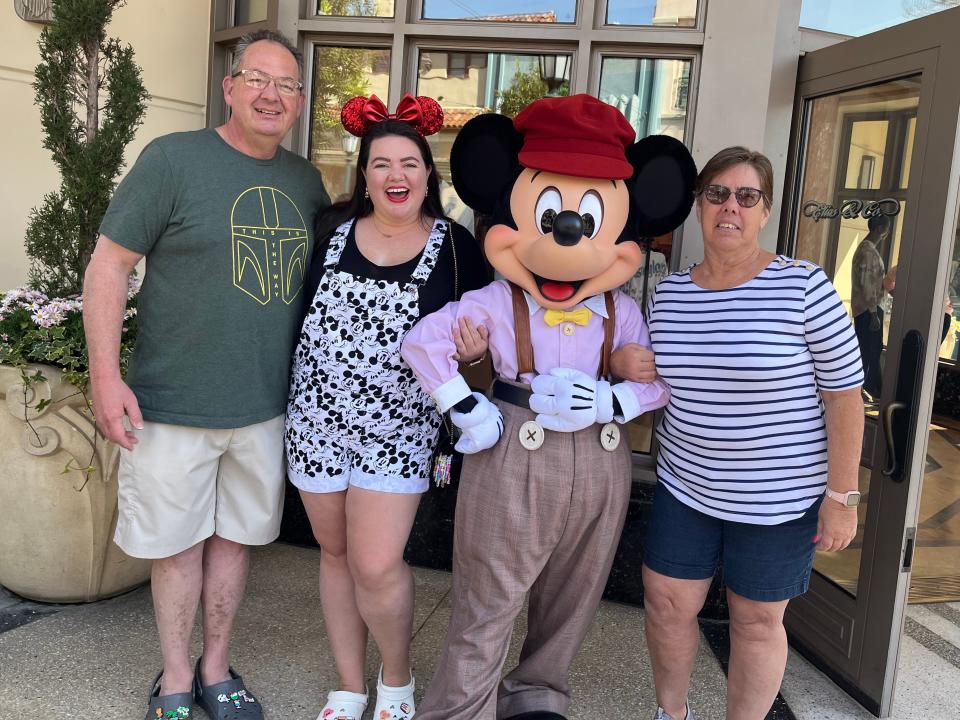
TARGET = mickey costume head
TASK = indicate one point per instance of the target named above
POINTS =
(570, 194)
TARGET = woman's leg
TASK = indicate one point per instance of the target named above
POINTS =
(378, 525)
(758, 656)
(670, 614)
(345, 626)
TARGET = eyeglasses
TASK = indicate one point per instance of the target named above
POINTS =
(258, 80)
(746, 197)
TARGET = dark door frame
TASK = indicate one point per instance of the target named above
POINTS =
(856, 640)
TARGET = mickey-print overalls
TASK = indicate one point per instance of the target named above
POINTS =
(356, 413)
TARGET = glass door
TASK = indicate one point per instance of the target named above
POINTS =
(873, 200)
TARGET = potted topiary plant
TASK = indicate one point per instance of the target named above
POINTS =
(59, 489)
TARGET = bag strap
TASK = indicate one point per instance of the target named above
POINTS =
(521, 330)
(453, 249)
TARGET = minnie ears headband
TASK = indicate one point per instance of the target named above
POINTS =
(423, 113)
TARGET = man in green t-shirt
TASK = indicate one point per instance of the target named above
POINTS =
(224, 218)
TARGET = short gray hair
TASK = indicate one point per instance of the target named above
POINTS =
(245, 41)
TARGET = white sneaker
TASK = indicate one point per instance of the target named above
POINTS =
(663, 715)
(394, 703)
(343, 705)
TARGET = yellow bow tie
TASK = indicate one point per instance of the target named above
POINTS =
(580, 316)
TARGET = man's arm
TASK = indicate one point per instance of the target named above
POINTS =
(104, 303)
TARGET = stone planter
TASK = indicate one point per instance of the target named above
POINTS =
(56, 519)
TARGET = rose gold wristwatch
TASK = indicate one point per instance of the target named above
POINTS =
(851, 498)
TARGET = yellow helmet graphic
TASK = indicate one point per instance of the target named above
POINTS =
(269, 245)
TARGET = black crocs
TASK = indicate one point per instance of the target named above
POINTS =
(227, 700)
(168, 707)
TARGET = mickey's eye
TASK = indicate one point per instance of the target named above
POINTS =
(591, 210)
(548, 205)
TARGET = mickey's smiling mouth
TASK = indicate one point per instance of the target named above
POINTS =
(557, 290)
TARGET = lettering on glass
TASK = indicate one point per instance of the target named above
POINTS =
(851, 209)
(34, 10)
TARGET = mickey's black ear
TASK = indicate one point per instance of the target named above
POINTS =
(661, 187)
(483, 160)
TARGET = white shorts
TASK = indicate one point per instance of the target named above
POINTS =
(180, 485)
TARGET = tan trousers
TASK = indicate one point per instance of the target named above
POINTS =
(545, 521)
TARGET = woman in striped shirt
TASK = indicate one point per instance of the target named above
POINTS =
(765, 417)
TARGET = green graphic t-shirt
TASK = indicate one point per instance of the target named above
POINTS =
(227, 240)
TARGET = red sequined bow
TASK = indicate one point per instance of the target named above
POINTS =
(423, 113)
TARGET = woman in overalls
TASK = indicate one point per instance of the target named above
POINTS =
(360, 431)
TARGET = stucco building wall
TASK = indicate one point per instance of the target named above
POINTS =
(171, 44)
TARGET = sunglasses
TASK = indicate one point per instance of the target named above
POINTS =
(746, 197)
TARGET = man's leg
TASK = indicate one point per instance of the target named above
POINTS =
(176, 585)
(166, 500)
(225, 565)
(249, 503)
(758, 656)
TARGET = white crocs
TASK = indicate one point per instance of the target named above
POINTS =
(394, 703)
(343, 705)
(664, 715)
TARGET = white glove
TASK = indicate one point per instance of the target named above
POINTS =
(568, 400)
(481, 427)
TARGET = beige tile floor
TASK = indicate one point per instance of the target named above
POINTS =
(936, 564)
(97, 660)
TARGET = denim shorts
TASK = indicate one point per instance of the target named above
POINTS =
(767, 563)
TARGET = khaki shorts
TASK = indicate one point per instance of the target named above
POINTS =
(180, 485)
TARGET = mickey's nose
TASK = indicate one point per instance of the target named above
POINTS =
(567, 228)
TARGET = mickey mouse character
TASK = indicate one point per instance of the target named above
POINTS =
(541, 509)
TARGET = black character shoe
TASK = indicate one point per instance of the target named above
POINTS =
(227, 700)
(176, 706)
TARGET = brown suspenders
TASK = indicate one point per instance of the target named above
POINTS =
(521, 326)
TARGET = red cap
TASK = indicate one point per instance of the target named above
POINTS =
(576, 135)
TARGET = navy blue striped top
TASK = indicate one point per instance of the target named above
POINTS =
(743, 437)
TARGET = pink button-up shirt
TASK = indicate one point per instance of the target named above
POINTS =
(428, 348)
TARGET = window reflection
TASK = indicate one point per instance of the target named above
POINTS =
(339, 74)
(467, 84)
(652, 93)
(521, 11)
(658, 13)
(249, 11)
(355, 8)
(868, 142)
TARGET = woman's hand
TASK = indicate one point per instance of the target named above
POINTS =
(836, 527)
(471, 342)
(633, 362)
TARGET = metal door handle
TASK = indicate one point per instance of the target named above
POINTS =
(899, 415)
(888, 411)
